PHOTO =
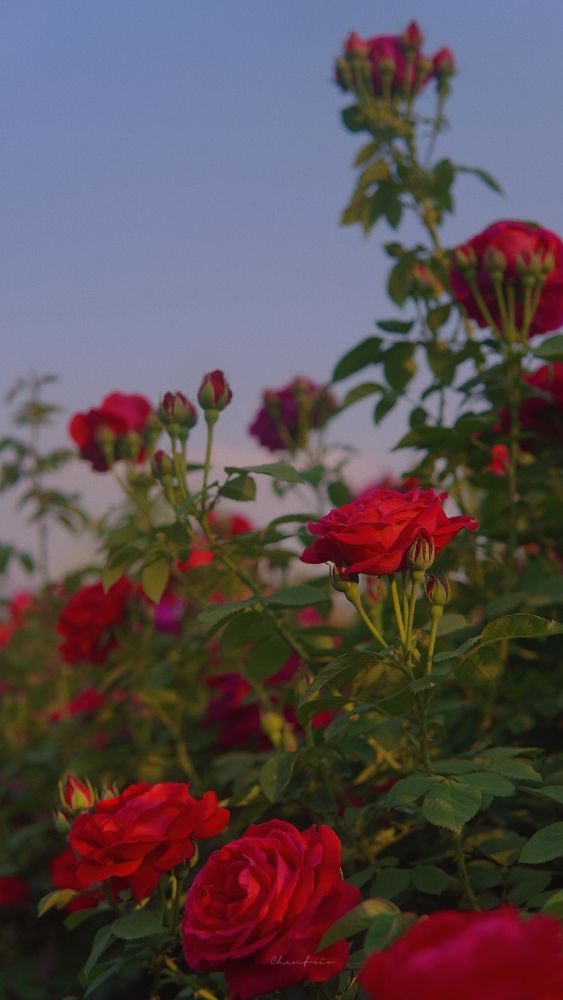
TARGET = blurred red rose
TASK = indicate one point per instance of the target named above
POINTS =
(289, 413)
(135, 837)
(372, 534)
(515, 247)
(396, 63)
(101, 433)
(13, 891)
(495, 955)
(259, 907)
(498, 463)
(87, 621)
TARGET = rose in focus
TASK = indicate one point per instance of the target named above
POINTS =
(372, 534)
(493, 955)
(260, 906)
(133, 838)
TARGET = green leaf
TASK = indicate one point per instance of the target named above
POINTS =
(276, 774)
(366, 353)
(451, 804)
(339, 494)
(490, 784)
(409, 790)
(300, 596)
(154, 579)
(353, 118)
(520, 626)
(278, 470)
(59, 898)
(106, 972)
(267, 657)
(399, 365)
(554, 905)
(483, 176)
(390, 882)
(545, 845)
(140, 923)
(554, 792)
(356, 920)
(430, 879)
(241, 488)
(342, 669)
(385, 928)
(550, 350)
(359, 392)
(395, 325)
(102, 940)
(111, 576)
(214, 614)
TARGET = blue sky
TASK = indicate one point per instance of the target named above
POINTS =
(173, 173)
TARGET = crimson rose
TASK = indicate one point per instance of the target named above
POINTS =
(101, 433)
(489, 956)
(260, 906)
(87, 621)
(396, 62)
(517, 249)
(373, 533)
(133, 838)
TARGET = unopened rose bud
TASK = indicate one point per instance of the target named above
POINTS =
(494, 261)
(131, 445)
(77, 795)
(176, 411)
(106, 439)
(356, 46)
(62, 824)
(387, 67)
(548, 263)
(214, 391)
(420, 555)
(437, 591)
(412, 37)
(444, 63)
(465, 259)
(343, 585)
(162, 465)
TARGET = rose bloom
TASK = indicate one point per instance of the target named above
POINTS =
(499, 460)
(517, 243)
(13, 891)
(289, 413)
(118, 416)
(87, 621)
(391, 50)
(373, 534)
(543, 411)
(493, 955)
(259, 907)
(133, 838)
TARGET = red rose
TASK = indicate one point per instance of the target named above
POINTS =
(498, 463)
(372, 534)
(87, 621)
(397, 63)
(444, 62)
(101, 433)
(13, 891)
(259, 907)
(517, 249)
(543, 411)
(289, 413)
(470, 956)
(63, 876)
(133, 838)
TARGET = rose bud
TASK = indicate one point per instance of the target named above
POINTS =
(494, 261)
(340, 582)
(62, 824)
(77, 795)
(214, 392)
(437, 591)
(444, 63)
(420, 555)
(162, 465)
(176, 411)
(356, 46)
(412, 37)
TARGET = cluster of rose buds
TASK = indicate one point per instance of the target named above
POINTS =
(288, 414)
(123, 427)
(391, 66)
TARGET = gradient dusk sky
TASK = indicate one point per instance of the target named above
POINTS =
(174, 170)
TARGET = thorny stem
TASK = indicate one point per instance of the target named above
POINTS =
(436, 613)
(356, 600)
(207, 461)
(422, 711)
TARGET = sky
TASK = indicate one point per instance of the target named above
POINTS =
(173, 172)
